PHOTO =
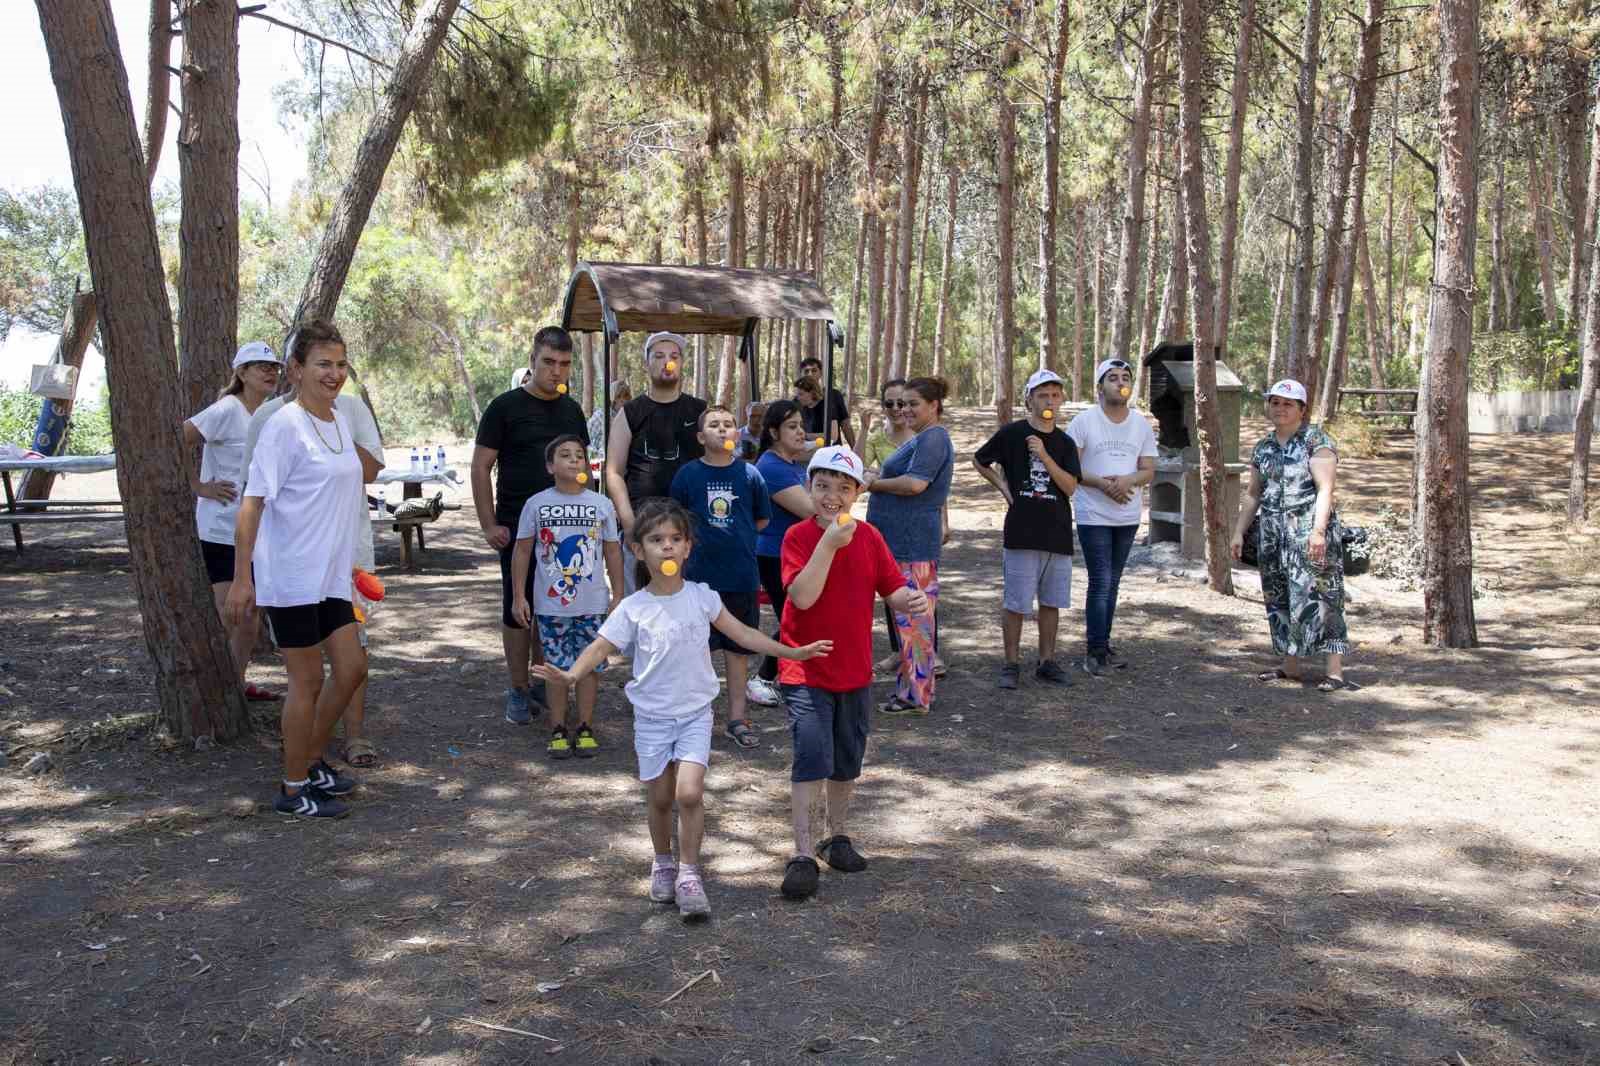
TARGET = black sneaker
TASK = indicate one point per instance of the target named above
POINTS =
(1009, 673)
(584, 744)
(1094, 665)
(1050, 672)
(840, 854)
(309, 803)
(800, 877)
(325, 778)
(1115, 660)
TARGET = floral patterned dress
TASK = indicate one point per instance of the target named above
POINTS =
(1305, 602)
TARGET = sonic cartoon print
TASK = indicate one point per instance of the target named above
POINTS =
(569, 561)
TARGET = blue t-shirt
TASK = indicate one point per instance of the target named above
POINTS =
(780, 474)
(727, 502)
(911, 525)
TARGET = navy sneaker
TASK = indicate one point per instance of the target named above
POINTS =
(309, 803)
(325, 778)
(517, 710)
(1050, 672)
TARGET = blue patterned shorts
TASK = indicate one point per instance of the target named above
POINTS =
(564, 638)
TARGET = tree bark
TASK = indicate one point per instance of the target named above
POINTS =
(1497, 221)
(1006, 233)
(906, 242)
(1442, 443)
(158, 91)
(733, 256)
(1080, 253)
(875, 304)
(702, 252)
(1360, 130)
(891, 299)
(869, 233)
(1591, 212)
(1376, 354)
(1049, 331)
(1583, 431)
(920, 282)
(1197, 235)
(1127, 282)
(1571, 119)
(1149, 315)
(941, 327)
(1240, 98)
(1274, 351)
(1543, 228)
(1299, 355)
(208, 229)
(320, 298)
(194, 671)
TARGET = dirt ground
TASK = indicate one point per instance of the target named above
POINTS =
(1172, 864)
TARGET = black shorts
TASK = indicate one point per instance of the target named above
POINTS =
(505, 584)
(828, 731)
(310, 624)
(219, 561)
(746, 608)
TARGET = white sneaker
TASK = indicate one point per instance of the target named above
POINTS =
(762, 692)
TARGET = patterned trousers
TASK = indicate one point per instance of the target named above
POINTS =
(1305, 602)
(915, 682)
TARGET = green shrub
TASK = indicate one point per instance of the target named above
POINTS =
(88, 434)
(1357, 438)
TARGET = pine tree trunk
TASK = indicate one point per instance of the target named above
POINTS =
(906, 242)
(1583, 431)
(1571, 120)
(208, 230)
(1127, 282)
(1543, 228)
(1174, 294)
(158, 87)
(1240, 100)
(920, 282)
(1591, 212)
(320, 298)
(1079, 255)
(733, 256)
(1197, 234)
(702, 254)
(1005, 234)
(1376, 354)
(195, 676)
(875, 305)
(1360, 130)
(857, 280)
(1298, 356)
(1497, 257)
(868, 237)
(1152, 272)
(1274, 352)
(1445, 526)
(1049, 326)
(891, 296)
(941, 327)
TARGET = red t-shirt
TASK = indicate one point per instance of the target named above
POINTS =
(861, 571)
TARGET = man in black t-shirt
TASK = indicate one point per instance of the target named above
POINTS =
(652, 438)
(512, 436)
(834, 407)
(1038, 472)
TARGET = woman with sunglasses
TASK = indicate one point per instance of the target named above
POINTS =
(785, 447)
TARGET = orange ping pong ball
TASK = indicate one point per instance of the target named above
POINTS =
(562, 388)
(582, 477)
(819, 442)
(669, 568)
(671, 366)
(1047, 414)
(844, 520)
(727, 445)
(1126, 392)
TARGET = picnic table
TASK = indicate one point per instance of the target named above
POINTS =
(411, 489)
(30, 512)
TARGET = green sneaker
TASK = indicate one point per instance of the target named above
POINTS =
(560, 746)
(584, 745)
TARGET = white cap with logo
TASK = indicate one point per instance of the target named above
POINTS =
(839, 459)
(664, 335)
(255, 352)
(1289, 389)
(1108, 365)
(1042, 377)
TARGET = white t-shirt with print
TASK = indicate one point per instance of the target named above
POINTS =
(569, 531)
(223, 426)
(1109, 449)
(363, 430)
(311, 487)
(669, 640)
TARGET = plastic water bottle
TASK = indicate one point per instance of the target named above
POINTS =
(440, 467)
(416, 463)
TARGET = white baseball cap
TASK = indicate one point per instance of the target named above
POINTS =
(665, 335)
(1042, 377)
(1108, 365)
(1289, 389)
(520, 375)
(837, 458)
(255, 352)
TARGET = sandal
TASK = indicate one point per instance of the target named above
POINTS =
(743, 733)
(1276, 674)
(360, 753)
(257, 694)
(1334, 684)
(897, 706)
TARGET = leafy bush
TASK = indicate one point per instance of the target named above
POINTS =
(89, 433)
(1357, 438)
(1395, 553)
(1543, 357)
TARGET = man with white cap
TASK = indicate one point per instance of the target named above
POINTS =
(652, 438)
(1117, 451)
(1035, 467)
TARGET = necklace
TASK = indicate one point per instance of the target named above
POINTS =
(314, 428)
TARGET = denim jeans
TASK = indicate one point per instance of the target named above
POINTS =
(1105, 553)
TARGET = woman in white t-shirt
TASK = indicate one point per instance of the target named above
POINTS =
(297, 524)
(221, 430)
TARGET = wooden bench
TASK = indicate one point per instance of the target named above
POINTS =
(19, 513)
(1366, 412)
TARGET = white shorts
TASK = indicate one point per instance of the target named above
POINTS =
(659, 741)
(1031, 575)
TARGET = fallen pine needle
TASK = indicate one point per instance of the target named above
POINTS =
(690, 984)
(508, 1029)
(813, 977)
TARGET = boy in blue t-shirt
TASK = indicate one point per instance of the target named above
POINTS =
(728, 498)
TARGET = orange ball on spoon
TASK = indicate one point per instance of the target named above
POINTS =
(669, 568)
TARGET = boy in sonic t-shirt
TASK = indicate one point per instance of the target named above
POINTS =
(728, 498)
(835, 567)
(572, 533)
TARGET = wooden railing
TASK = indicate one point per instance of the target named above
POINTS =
(1407, 413)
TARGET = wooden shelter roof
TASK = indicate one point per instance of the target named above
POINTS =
(645, 297)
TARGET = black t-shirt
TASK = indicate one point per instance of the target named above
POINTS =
(1040, 515)
(519, 425)
(664, 440)
(811, 417)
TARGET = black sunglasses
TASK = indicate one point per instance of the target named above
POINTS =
(895, 403)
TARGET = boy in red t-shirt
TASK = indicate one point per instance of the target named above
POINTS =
(834, 568)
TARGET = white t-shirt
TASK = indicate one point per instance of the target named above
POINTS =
(568, 531)
(305, 547)
(669, 637)
(1108, 449)
(223, 426)
(363, 430)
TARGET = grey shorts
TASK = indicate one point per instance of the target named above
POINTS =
(1036, 575)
